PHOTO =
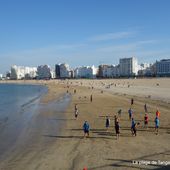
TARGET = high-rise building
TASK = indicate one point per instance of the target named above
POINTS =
(57, 70)
(44, 72)
(64, 71)
(128, 66)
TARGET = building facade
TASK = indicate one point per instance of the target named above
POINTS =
(21, 72)
(128, 67)
(64, 70)
(57, 70)
(85, 72)
(102, 70)
(163, 67)
(44, 72)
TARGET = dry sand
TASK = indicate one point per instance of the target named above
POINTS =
(68, 150)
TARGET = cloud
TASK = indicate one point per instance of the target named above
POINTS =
(112, 36)
(127, 47)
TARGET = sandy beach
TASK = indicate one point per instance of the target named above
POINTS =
(54, 139)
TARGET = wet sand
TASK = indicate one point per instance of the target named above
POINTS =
(68, 150)
(39, 120)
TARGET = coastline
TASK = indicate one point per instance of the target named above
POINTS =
(69, 150)
(37, 117)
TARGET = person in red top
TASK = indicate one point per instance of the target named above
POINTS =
(158, 113)
(146, 119)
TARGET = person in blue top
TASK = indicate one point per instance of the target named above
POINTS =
(86, 129)
(133, 127)
(156, 124)
(130, 113)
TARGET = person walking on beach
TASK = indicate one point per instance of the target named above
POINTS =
(76, 114)
(133, 127)
(75, 107)
(132, 101)
(86, 129)
(146, 119)
(117, 127)
(107, 122)
(91, 98)
(145, 108)
(75, 111)
(130, 113)
(158, 113)
(156, 125)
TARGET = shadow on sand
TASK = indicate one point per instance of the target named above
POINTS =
(123, 164)
(61, 119)
(75, 137)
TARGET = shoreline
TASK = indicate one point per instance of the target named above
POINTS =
(69, 150)
(35, 110)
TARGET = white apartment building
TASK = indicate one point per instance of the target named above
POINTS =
(110, 71)
(21, 72)
(85, 72)
(1, 76)
(53, 75)
(163, 67)
(44, 72)
(128, 66)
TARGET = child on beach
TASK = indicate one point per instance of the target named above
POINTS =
(132, 101)
(146, 119)
(156, 125)
(86, 129)
(107, 122)
(117, 127)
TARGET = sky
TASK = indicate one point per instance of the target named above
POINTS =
(82, 32)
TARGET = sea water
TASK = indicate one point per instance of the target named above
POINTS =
(14, 101)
